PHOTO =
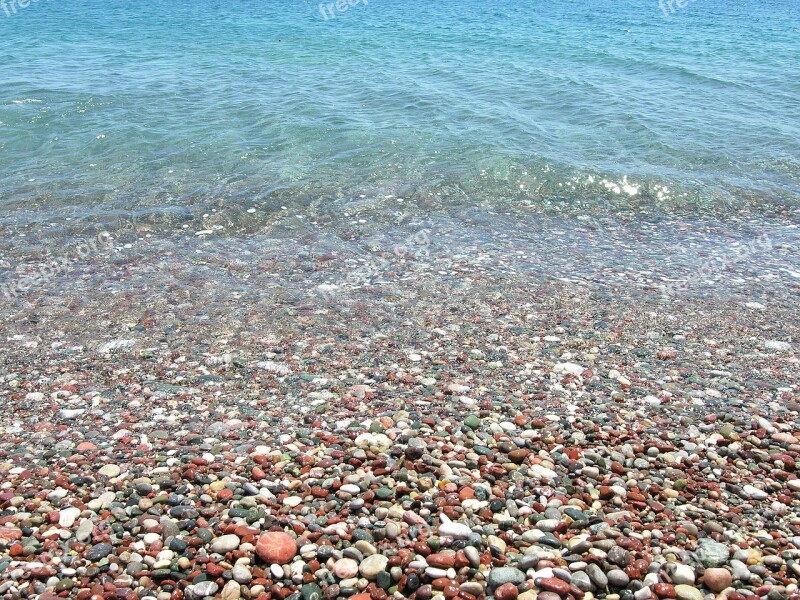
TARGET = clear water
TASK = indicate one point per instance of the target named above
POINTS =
(164, 112)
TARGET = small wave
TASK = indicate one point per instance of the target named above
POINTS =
(27, 101)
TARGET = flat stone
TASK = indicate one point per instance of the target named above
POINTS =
(67, 516)
(109, 471)
(554, 584)
(753, 493)
(455, 530)
(712, 554)
(688, 592)
(501, 575)
(225, 543)
(202, 589)
(276, 547)
(99, 551)
(372, 565)
(84, 532)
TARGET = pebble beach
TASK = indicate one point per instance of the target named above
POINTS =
(514, 438)
(385, 300)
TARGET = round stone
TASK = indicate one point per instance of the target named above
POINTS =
(372, 565)
(507, 591)
(618, 578)
(109, 471)
(345, 568)
(717, 579)
(276, 547)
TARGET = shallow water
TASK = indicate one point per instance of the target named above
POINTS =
(398, 150)
(110, 110)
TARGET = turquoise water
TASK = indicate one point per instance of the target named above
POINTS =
(163, 112)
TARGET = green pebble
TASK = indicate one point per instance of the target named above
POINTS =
(311, 591)
(205, 535)
(384, 493)
(472, 421)
(160, 573)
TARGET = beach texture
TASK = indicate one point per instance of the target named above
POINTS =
(511, 440)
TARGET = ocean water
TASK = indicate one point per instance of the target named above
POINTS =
(114, 109)
(599, 140)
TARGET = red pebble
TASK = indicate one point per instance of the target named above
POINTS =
(507, 591)
(276, 547)
(554, 584)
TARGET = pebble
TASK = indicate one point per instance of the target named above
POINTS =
(712, 554)
(500, 575)
(618, 578)
(276, 547)
(688, 592)
(717, 579)
(372, 565)
(225, 544)
(109, 471)
(681, 574)
(346, 470)
(345, 568)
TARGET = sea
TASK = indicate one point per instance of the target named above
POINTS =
(373, 125)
